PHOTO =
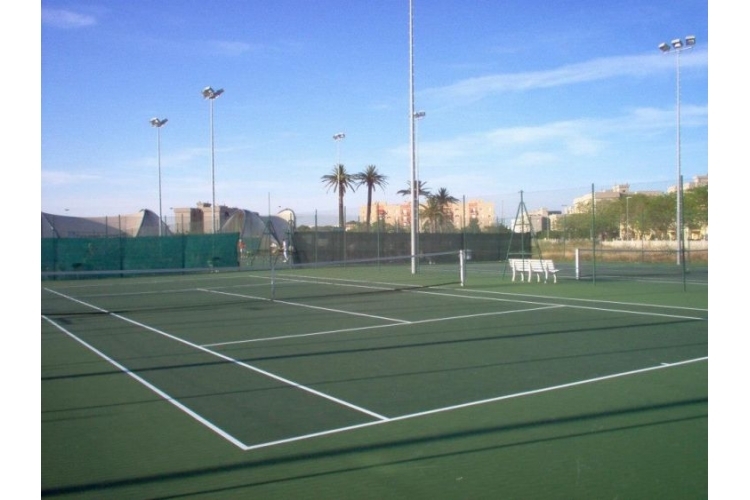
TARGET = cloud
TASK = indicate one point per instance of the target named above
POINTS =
(474, 89)
(58, 178)
(66, 19)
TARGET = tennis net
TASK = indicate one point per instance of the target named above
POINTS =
(376, 275)
(172, 290)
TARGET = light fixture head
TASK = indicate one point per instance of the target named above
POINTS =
(209, 93)
(664, 47)
(677, 43)
(419, 114)
(156, 122)
(339, 136)
(690, 40)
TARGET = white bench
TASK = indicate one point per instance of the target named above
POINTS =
(538, 267)
(520, 266)
(528, 267)
(549, 268)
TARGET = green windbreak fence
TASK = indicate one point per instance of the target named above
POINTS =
(327, 246)
(146, 252)
(224, 250)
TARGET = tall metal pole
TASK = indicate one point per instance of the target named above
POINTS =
(213, 171)
(156, 122)
(679, 46)
(158, 155)
(414, 188)
(679, 167)
(211, 95)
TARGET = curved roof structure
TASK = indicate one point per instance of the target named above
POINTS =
(143, 223)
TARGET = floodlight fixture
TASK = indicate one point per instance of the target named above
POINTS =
(339, 136)
(419, 114)
(664, 47)
(209, 93)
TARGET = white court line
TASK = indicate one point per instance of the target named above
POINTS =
(545, 305)
(150, 386)
(639, 304)
(308, 306)
(476, 403)
(229, 359)
(383, 419)
(373, 327)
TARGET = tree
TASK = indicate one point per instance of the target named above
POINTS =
(432, 214)
(421, 189)
(339, 180)
(695, 207)
(444, 199)
(371, 178)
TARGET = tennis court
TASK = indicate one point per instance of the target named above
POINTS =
(366, 380)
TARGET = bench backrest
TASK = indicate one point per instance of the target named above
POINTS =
(519, 264)
(538, 266)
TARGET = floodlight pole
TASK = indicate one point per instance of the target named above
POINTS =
(412, 120)
(211, 95)
(678, 45)
(159, 123)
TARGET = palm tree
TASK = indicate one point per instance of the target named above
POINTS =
(421, 189)
(432, 214)
(340, 181)
(444, 201)
(371, 178)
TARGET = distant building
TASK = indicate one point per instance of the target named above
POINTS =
(460, 213)
(618, 191)
(698, 181)
(198, 219)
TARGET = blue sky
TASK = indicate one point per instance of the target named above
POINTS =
(542, 97)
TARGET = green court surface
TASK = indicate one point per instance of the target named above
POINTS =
(373, 383)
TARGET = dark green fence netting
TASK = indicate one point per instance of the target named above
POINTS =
(145, 252)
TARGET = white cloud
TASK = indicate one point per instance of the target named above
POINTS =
(473, 89)
(58, 178)
(66, 19)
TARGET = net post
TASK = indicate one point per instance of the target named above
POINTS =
(462, 266)
(578, 264)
